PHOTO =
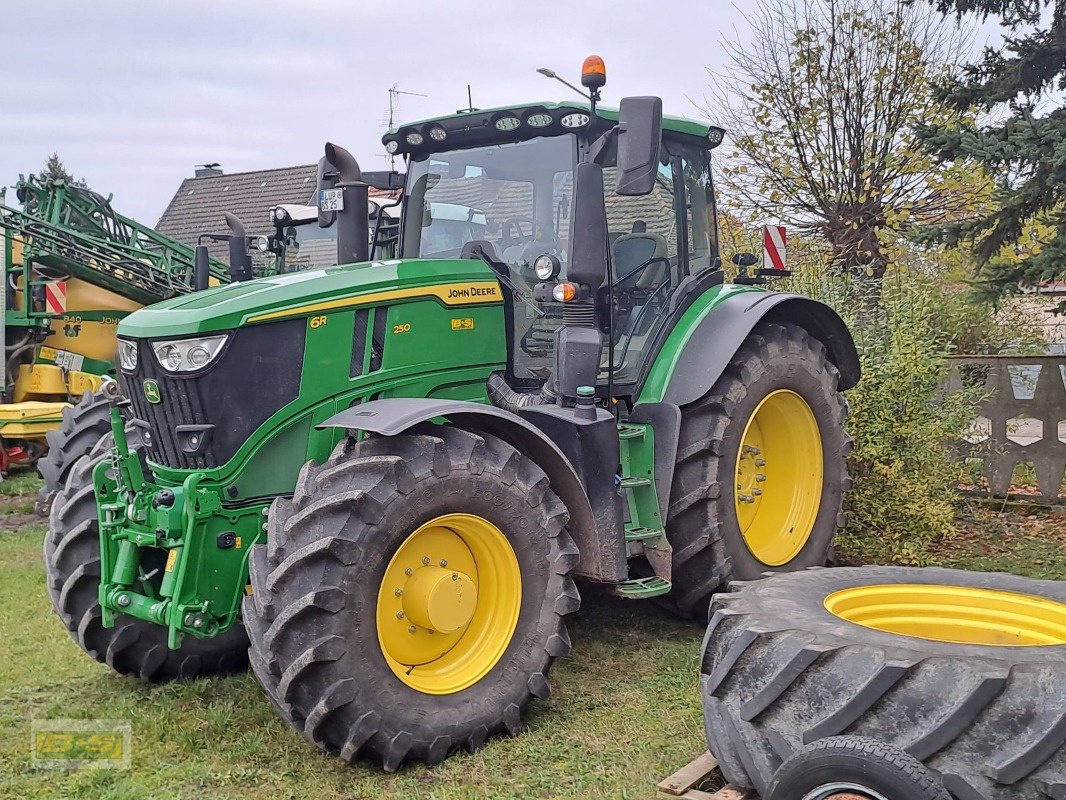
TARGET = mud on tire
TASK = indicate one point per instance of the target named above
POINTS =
(780, 671)
(311, 617)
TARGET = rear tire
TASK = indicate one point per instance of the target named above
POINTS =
(781, 670)
(81, 428)
(133, 646)
(710, 547)
(319, 639)
(843, 766)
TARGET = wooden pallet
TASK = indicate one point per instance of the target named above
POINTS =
(681, 782)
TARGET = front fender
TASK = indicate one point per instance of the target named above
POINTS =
(393, 416)
(698, 350)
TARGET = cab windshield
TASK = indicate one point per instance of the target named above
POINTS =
(514, 199)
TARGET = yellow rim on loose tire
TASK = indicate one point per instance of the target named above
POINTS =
(778, 486)
(956, 614)
(448, 604)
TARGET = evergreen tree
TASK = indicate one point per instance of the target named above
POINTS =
(1020, 238)
(56, 170)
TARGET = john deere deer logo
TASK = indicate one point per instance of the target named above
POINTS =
(151, 391)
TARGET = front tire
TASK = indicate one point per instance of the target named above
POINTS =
(82, 427)
(410, 598)
(132, 646)
(761, 468)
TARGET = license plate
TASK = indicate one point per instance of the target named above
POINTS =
(331, 200)
(71, 362)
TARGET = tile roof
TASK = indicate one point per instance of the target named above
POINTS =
(199, 203)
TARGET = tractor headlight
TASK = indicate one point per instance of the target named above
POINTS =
(546, 267)
(127, 354)
(188, 355)
(576, 120)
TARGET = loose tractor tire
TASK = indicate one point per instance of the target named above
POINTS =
(854, 768)
(409, 600)
(761, 468)
(965, 672)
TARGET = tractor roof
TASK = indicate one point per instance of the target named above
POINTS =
(479, 125)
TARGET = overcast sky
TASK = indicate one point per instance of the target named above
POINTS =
(133, 94)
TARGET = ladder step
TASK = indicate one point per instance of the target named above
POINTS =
(641, 534)
(641, 588)
(630, 432)
(633, 483)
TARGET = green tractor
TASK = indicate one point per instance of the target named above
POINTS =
(379, 481)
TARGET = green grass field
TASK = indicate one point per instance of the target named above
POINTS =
(625, 711)
(624, 714)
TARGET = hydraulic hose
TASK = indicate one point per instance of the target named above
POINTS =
(503, 396)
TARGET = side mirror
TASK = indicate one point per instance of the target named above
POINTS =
(745, 260)
(640, 123)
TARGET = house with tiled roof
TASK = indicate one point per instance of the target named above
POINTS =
(200, 202)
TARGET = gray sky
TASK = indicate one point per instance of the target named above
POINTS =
(133, 94)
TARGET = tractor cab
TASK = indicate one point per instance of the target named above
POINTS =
(498, 184)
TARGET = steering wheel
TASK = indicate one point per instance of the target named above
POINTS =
(514, 224)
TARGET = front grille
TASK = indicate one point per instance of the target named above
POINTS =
(257, 373)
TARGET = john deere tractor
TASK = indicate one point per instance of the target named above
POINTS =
(379, 481)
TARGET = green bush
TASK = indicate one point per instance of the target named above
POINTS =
(904, 496)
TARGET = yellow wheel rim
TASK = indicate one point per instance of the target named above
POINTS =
(957, 614)
(779, 478)
(448, 604)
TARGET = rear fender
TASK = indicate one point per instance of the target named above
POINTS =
(700, 348)
(393, 416)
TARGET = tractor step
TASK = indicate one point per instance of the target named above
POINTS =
(641, 534)
(630, 431)
(633, 483)
(641, 588)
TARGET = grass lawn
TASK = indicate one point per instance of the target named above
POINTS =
(625, 711)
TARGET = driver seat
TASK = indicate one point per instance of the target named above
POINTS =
(639, 247)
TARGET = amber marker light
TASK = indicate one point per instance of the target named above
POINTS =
(564, 292)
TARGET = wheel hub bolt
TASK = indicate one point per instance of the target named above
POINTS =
(756, 492)
(444, 562)
(425, 561)
(411, 629)
(408, 571)
(760, 462)
(399, 615)
(398, 592)
(760, 477)
(746, 498)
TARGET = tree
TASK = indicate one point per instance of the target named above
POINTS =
(1022, 143)
(55, 170)
(824, 100)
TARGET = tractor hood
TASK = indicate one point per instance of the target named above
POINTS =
(453, 281)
